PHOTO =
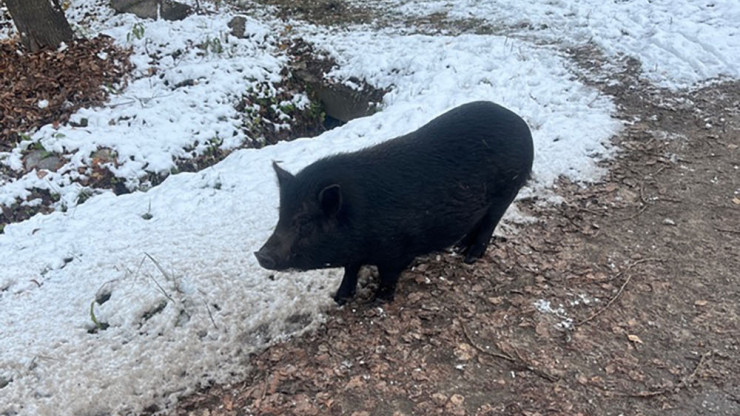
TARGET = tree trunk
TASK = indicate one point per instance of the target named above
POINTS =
(41, 23)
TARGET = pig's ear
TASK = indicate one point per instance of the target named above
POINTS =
(283, 175)
(331, 200)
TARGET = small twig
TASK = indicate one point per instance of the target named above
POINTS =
(681, 384)
(156, 263)
(210, 315)
(130, 101)
(483, 350)
(646, 394)
(642, 194)
(621, 289)
(645, 203)
(724, 230)
(161, 270)
(685, 381)
(668, 199)
(642, 209)
(661, 169)
(547, 376)
(590, 211)
(518, 361)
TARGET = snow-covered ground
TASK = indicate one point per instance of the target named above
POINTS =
(153, 121)
(678, 42)
(172, 268)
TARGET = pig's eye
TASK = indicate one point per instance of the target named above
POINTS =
(303, 225)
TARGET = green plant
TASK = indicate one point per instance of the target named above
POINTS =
(216, 46)
(99, 326)
(213, 46)
(214, 144)
(36, 145)
(84, 195)
(316, 111)
(137, 32)
(288, 108)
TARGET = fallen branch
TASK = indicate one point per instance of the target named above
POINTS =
(518, 360)
(681, 384)
(621, 289)
(725, 230)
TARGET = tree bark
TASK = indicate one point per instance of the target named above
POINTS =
(41, 23)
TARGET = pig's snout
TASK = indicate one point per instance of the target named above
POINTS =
(266, 259)
(275, 253)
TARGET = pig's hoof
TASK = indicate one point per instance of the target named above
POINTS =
(474, 253)
(342, 298)
(470, 259)
(384, 295)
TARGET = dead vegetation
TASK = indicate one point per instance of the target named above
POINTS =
(46, 87)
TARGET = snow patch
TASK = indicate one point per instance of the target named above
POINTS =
(544, 306)
(679, 42)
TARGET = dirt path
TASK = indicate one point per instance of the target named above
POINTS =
(622, 300)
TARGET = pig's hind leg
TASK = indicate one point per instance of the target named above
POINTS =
(348, 286)
(474, 244)
(389, 274)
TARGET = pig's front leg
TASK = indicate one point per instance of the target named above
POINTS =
(348, 287)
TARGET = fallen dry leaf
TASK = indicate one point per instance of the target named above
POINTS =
(464, 352)
(457, 399)
(496, 300)
(53, 78)
(439, 399)
(355, 382)
(634, 338)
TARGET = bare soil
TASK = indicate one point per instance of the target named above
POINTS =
(641, 272)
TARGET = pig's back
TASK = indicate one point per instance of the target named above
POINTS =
(479, 142)
(423, 191)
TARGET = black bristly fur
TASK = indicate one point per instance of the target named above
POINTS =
(448, 182)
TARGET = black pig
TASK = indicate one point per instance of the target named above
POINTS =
(448, 182)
